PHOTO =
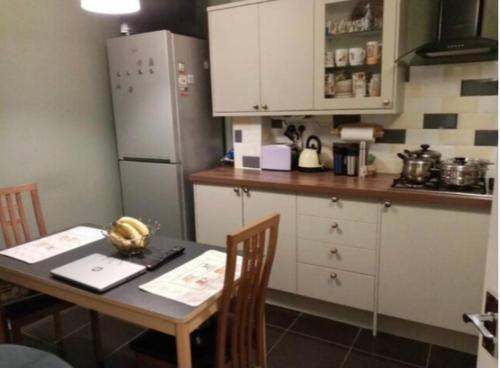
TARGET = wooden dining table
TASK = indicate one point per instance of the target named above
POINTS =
(126, 301)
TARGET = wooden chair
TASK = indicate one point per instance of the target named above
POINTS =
(240, 332)
(18, 306)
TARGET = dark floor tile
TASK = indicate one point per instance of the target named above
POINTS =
(297, 351)
(272, 335)
(326, 329)
(280, 317)
(363, 360)
(123, 358)
(444, 358)
(395, 347)
(73, 319)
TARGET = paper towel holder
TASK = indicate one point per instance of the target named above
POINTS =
(378, 130)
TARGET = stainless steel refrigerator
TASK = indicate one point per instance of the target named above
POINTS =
(164, 126)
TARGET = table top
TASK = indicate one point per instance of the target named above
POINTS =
(377, 187)
(126, 295)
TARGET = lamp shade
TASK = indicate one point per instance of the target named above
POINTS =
(111, 6)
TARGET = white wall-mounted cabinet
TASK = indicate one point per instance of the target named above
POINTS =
(261, 57)
(269, 57)
(221, 210)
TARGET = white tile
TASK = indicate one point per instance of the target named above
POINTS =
(423, 104)
(489, 69)
(456, 137)
(422, 136)
(458, 72)
(487, 104)
(487, 120)
(460, 104)
(433, 88)
(434, 73)
(409, 120)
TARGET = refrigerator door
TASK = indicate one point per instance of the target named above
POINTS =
(152, 191)
(142, 96)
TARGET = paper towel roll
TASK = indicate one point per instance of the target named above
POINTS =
(357, 134)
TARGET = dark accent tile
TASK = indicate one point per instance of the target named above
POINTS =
(345, 119)
(440, 121)
(238, 136)
(363, 360)
(276, 124)
(444, 357)
(280, 317)
(252, 162)
(72, 319)
(486, 138)
(396, 136)
(272, 335)
(479, 87)
(395, 347)
(326, 329)
(301, 351)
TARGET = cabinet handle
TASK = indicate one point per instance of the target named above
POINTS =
(265, 107)
(334, 251)
(237, 191)
(387, 204)
(386, 102)
(246, 191)
(334, 199)
(335, 225)
(255, 107)
(333, 275)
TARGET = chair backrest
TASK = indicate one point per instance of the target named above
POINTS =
(13, 218)
(246, 308)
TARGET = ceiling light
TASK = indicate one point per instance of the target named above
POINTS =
(111, 6)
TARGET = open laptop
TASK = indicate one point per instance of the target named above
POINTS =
(98, 272)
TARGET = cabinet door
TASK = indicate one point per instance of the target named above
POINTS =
(286, 54)
(432, 264)
(234, 55)
(218, 212)
(259, 204)
(355, 49)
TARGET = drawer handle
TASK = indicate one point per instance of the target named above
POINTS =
(333, 275)
(237, 191)
(255, 107)
(387, 204)
(335, 199)
(246, 191)
(334, 251)
(335, 225)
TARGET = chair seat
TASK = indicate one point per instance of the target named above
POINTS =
(17, 356)
(31, 305)
(163, 347)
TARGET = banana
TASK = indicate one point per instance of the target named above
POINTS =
(119, 240)
(138, 225)
(127, 231)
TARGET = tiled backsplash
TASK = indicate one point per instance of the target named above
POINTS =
(451, 107)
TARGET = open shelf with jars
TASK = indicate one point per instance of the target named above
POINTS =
(355, 52)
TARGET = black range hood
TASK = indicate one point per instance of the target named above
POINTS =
(464, 28)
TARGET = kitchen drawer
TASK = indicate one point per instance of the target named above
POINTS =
(336, 256)
(337, 207)
(338, 232)
(347, 288)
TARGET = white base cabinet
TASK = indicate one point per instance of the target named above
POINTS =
(432, 264)
(418, 263)
(221, 210)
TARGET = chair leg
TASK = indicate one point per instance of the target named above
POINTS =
(58, 330)
(96, 337)
(4, 329)
(17, 336)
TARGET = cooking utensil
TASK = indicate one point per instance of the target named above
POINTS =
(425, 152)
(463, 171)
(416, 169)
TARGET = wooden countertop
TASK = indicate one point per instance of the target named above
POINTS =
(377, 187)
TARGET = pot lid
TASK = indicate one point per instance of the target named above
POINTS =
(425, 152)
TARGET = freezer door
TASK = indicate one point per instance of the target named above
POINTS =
(142, 97)
(152, 191)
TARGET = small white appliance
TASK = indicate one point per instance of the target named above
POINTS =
(276, 157)
(98, 272)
